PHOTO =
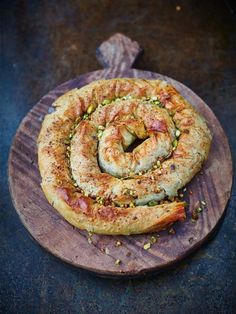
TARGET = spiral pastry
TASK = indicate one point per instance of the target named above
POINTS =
(95, 181)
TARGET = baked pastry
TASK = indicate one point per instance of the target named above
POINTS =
(90, 176)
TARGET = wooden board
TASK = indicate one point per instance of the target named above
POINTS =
(57, 236)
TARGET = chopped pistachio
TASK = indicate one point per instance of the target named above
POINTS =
(132, 192)
(199, 209)
(158, 163)
(152, 203)
(177, 133)
(75, 184)
(147, 246)
(101, 127)
(126, 97)
(126, 191)
(154, 98)
(90, 109)
(118, 243)
(86, 194)
(131, 204)
(99, 134)
(100, 200)
(67, 141)
(174, 144)
(131, 173)
(155, 167)
(90, 238)
(106, 102)
(85, 116)
(118, 262)
(140, 173)
(156, 102)
(153, 239)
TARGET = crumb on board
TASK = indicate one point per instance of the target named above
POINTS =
(172, 231)
(118, 262)
(147, 246)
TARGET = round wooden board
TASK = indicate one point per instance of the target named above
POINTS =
(71, 245)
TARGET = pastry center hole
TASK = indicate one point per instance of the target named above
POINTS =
(135, 144)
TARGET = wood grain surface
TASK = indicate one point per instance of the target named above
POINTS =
(99, 253)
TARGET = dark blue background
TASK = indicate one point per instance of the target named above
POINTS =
(44, 43)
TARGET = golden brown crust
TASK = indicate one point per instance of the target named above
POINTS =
(90, 131)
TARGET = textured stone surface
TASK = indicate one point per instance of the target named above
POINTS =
(47, 42)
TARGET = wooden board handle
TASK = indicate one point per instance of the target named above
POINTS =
(118, 51)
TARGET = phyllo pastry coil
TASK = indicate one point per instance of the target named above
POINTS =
(93, 178)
